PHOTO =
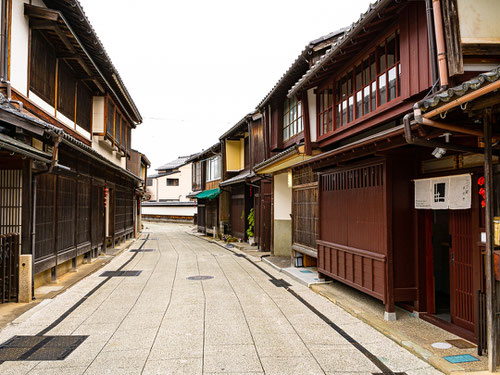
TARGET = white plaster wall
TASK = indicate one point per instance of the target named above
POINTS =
(165, 210)
(311, 101)
(98, 114)
(107, 153)
(282, 197)
(152, 189)
(19, 48)
(176, 192)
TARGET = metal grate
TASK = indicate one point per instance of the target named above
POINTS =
(141, 250)
(39, 348)
(200, 277)
(120, 273)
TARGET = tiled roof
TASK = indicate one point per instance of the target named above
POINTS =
(460, 90)
(336, 47)
(179, 162)
(66, 138)
(73, 12)
(238, 178)
(298, 67)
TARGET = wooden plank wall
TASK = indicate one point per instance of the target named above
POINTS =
(352, 244)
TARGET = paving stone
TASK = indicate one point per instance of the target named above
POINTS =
(232, 358)
(174, 366)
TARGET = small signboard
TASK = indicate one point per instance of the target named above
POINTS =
(441, 193)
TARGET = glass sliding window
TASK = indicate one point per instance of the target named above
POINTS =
(373, 82)
(213, 168)
(325, 110)
(172, 182)
(292, 118)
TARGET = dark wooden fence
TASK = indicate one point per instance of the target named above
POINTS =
(9, 267)
(70, 218)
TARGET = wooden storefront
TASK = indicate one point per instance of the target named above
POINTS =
(238, 210)
(365, 235)
(70, 217)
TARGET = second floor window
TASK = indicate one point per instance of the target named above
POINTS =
(172, 182)
(197, 176)
(149, 182)
(213, 168)
(373, 82)
(292, 118)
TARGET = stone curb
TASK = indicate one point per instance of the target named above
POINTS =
(422, 353)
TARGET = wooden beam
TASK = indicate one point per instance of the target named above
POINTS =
(41, 13)
(491, 302)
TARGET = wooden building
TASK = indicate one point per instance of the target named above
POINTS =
(243, 147)
(288, 139)
(66, 120)
(206, 176)
(169, 192)
(391, 223)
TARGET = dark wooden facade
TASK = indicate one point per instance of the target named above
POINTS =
(67, 224)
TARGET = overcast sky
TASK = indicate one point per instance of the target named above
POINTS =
(195, 68)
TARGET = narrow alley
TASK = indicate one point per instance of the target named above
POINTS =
(175, 303)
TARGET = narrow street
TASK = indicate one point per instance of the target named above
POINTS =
(154, 319)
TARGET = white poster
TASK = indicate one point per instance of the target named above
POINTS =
(441, 193)
(423, 194)
(460, 192)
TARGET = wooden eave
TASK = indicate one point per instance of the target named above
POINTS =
(69, 48)
(357, 41)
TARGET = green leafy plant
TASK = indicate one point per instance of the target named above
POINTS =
(251, 223)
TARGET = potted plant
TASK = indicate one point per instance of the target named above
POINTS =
(251, 226)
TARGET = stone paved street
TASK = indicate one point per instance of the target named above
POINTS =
(239, 321)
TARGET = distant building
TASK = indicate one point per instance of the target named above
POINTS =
(168, 190)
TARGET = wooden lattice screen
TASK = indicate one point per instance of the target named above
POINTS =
(10, 201)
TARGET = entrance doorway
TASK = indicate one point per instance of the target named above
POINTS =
(441, 264)
(450, 267)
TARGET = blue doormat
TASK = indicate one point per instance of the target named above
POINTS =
(306, 271)
(461, 358)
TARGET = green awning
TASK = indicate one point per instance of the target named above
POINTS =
(208, 194)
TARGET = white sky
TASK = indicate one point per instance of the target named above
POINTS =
(195, 68)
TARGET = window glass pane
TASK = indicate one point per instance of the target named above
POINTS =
(381, 57)
(349, 83)
(344, 112)
(397, 45)
(399, 79)
(374, 96)
(359, 77)
(330, 96)
(330, 119)
(373, 67)
(338, 92)
(382, 89)
(366, 100)
(392, 83)
(351, 108)
(391, 50)
(337, 116)
(359, 103)
(366, 72)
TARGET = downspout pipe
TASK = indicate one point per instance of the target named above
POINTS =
(441, 48)
(432, 41)
(4, 61)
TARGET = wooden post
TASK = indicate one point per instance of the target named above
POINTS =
(491, 309)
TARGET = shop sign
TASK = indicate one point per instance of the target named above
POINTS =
(441, 193)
